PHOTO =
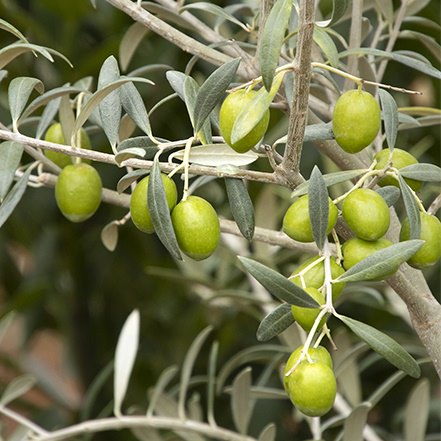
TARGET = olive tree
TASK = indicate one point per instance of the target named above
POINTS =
(362, 218)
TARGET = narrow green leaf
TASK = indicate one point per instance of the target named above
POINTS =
(212, 91)
(318, 205)
(163, 381)
(275, 322)
(330, 179)
(211, 383)
(67, 119)
(272, 39)
(400, 58)
(338, 11)
(384, 345)
(130, 42)
(217, 155)
(251, 115)
(6, 26)
(133, 152)
(268, 433)
(141, 142)
(10, 157)
(241, 206)
(356, 422)
(187, 367)
(431, 44)
(390, 117)
(16, 388)
(412, 209)
(387, 10)
(417, 411)
(125, 355)
(278, 285)
(19, 91)
(110, 105)
(5, 322)
(390, 194)
(160, 213)
(134, 106)
(13, 197)
(240, 400)
(129, 178)
(176, 80)
(422, 172)
(382, 263)
(327, 45)
(109, 235)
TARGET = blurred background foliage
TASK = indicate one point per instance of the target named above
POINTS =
(72, 295)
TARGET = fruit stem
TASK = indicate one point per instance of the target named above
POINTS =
(186, 164)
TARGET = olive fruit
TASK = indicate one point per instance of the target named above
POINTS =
(356, 120)
(233, 104)
(366, 214)
(305, 317)
(55, 134)
(139, 210)
(430, 252)
(196, 227)
(319, 353)
(312, 388)
(297, 224)
(315, 276)
(400, 159)
(78, 191)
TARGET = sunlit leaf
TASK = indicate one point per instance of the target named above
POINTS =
(381, 263)
(275, 322)
(12, 30)
(384, 345)
(412, 209)
(268, 433)
(240, 400)
(277, 284)
(125, 355)
(356, 422)
(212, 91)
(16, 388)
(160, 213)
(241, 206)
(109, 235)
(10, 157)
(130, 42)
(271, 40)
(390, 117)
(417, 411)
(318, 206)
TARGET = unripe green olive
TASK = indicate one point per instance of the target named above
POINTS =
(196, 227)
(305, 317)
(312, 388)
(400, 159)
(315, 276)
(78, 191)
(233, 104)
(430, 252)
(356, 120)
(366, 214)
(319, 353)
(55, 134)
(297, 224)
(139, 210)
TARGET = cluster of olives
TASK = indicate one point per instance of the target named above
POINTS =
(194, 220)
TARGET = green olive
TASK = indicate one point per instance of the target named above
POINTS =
(366, 214)
(139, 210)
(196, 227)
(430, 252)
(305, 317)
(297, 224)
(229, 111)
(55, 134)
(315, 276)
(356, 120)
(78, 191)
(312, 388)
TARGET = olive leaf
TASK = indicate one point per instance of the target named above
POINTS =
(390, 117)
(271, 40)
(240, 400)
(162, 382)
(278, 285)
(422, 172)
(384, 345)
(140, 142)
(327, 45)
(109, 235)
(338, 10)
(241, 206)
(355, 422)
(417, 411)
(10, 157)
(381, 263)
(268, 433)
(412, 209)
(318, 206)
(212, 91)
(16, 388)
(160, 213)
(129, 178)
(275, 322)
(390, 194)
(130, 42)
